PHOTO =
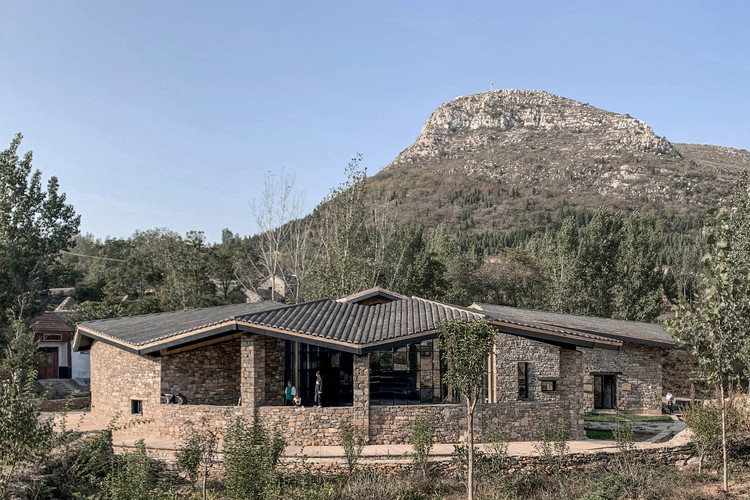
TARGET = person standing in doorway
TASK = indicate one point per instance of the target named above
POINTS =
(289, 393)
(318, 390)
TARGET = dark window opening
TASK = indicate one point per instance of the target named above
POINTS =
(523, 380)
(605, 392)
(549, 385)
(136, 407)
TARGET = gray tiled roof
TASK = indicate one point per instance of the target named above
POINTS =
(146, 328)
(357, 324)
(632, 331)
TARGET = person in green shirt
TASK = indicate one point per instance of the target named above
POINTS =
(289, 393)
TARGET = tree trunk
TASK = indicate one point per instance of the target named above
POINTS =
(724, 437)
(203, 486)
(470, 406)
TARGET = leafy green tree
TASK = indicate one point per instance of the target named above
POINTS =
(251, 453)
(562, 254)
(596, 265)
(343, 264)
(638, 291)
(512, 277)
(460, 286)
(24, 435)
(714, 326)
(35, 225)
(466, 348)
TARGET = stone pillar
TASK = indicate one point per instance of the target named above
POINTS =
(253, 371)
(571, 390)
(361, 401)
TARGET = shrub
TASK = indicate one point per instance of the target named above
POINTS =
(129, 477)
(552, 445)
(353, 442)
(631, 469)
(197, 452)
(420, 437)
(250, 456)
(494, 460)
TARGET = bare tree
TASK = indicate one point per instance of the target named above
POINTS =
(282, 248)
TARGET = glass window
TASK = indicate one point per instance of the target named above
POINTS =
(336, 369)
(136, 407)
(523, 380)
(549, 385)
(407, 375)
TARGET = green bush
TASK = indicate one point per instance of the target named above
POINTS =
(353, 442)
(251, 453)
(129, 477)
(421, 438)
(197, 453)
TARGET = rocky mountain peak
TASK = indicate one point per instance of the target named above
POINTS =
(504, 118)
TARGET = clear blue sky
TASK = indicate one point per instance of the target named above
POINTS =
(167, 113)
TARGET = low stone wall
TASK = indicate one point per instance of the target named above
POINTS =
(308, 426)
(77, 403)
(391, 424)
(171, 421)
(312, 426)
(522, 419)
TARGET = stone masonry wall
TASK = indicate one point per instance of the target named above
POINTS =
(391, 424)
(275, 383)
(117, 377)
(209, 375)
(308, 426)
(638, 369)
(543, 362)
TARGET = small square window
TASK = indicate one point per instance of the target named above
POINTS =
(136, 407)
(549, 385)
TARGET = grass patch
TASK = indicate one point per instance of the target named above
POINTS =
(606, 435)
(614, 417)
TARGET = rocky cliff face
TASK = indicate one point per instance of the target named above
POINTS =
(505, 118)
(508, 158)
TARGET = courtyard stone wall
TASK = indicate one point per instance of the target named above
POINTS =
(209, 375)
(308, 426)
(639, 376)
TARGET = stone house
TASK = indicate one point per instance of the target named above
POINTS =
(53, 337)
(379, 358)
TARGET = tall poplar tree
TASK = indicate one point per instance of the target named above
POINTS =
(714, 327)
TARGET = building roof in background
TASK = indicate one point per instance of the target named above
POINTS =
(50, 322)
(628, 331)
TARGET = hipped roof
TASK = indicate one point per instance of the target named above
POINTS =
(346, 326)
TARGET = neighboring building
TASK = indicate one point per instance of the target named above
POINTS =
(378, 355)
(53, 336)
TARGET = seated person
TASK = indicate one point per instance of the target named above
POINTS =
(167, 399)
(181, 399)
